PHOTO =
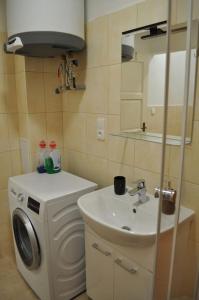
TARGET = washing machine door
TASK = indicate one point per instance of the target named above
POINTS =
(26, 239)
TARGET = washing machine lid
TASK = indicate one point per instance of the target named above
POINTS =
(51, 186)
(26, 239)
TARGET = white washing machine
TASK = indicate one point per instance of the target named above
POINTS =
(48, 232)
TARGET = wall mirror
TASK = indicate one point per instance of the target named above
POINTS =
(143, 81)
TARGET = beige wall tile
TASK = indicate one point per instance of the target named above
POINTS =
(76, 101)
(118, 22)
(97, 170)
(53, 102)
(97, 42)
(35, 92)
(76, 163)
(55, 128)
(121, 150)
(4, 208)
(4, 133)
(5, 163)
(19, 62)
(13, 128)
(74, 131)
(37, 125)
(97, 90)
(113, 124)
(151, 11)
(33, 64)
(23, 125)
(131, 114)
(3, 94)
(116, 169)
(21, 90)
(93, 145)
(16, 162)
(148, 156)
(11, 98)
(132, 78)
(50, 65)
(114, 89)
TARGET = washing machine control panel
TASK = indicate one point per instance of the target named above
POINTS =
(20, 197)
(33, 205)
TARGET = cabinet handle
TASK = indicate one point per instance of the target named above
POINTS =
(96, 246)
(131, 270)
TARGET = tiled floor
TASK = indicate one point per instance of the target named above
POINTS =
(12, 285)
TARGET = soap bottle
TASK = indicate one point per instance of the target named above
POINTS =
(53, 162)
(42, 155)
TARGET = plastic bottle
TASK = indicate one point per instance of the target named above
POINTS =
(53, 162)
(42, 155)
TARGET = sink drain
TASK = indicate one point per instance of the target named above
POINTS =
(126, 228)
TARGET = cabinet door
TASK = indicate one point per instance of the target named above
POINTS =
(99, 269)
(132, 282)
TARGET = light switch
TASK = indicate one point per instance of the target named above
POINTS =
(100, 129)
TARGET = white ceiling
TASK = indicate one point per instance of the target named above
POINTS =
(96, 8)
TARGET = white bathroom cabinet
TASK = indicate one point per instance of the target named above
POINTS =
(112, 276)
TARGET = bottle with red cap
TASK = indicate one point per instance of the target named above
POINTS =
(53, 162)
(42, 155)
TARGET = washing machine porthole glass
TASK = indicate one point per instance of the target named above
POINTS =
(26, 239)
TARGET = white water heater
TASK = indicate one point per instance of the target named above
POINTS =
(45, 28)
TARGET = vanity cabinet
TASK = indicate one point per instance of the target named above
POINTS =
(99, 269)
(112, 276)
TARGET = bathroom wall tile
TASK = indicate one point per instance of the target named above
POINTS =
(16, 162)
(11, 99)
(55, 128)
(19, 62)
(37, 125)
(182, 9)
(151, 11)
(93, 145)
(121, 150)
(118, 22)
(13, 129)
(35, 92)
(21, 90)
(132, 75)
(97, 170)
(74, 131)
(116, 169)
(97, 42)
(4, 211)
(33, 64)
(131, 113)
(76, 101)
(76, 163)
(53, 102)
(51, 64)
(23, 125)
(191, 173)
(4, 133)
(3, 94)
(148, 156)
(97, 90)
(6, 248)
(113, 124)
(2, 16)
(5, 164)
(114, 89)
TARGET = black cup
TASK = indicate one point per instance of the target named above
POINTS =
(120, 185)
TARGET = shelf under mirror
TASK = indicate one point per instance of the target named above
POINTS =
(151, 137)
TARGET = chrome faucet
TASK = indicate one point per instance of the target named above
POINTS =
(139, 190)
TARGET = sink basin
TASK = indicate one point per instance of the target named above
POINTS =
(119, 220)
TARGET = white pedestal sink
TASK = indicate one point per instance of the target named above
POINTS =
(119, 220)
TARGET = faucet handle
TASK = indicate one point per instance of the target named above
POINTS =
(157, 192)
(140, 184)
